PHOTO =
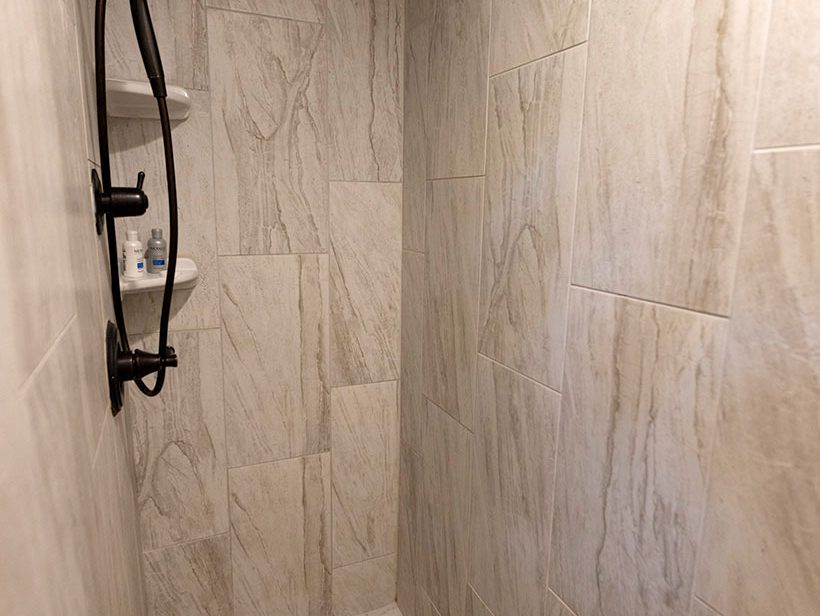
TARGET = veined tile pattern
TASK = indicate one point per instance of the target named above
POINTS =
(363, 587)
(179, 445)
(451, 294)
(532, 165)
(191, 578)
(556, 607)
(366, 46)
(182, 37)
(457, 93)
(412, 357)
(662, 183)
(280, 537)
(303, 10)
(638, 414)
(526, 30)
(365, 446)
(789, 113)
(512, 489)
(268, 80)
(275, 349)
(416, 12)
(137, 144)
(365, 282)
(761, 537)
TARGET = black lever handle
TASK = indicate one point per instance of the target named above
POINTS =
(140, 179)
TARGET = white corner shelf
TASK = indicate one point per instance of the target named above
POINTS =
(134, 99)
(185, 277)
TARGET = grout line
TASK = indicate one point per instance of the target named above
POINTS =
(393, 380)
(441, 409)
(521, 374)
(479, 597)
(367, 560)
(278, 460)
(649, 301)
(185, 542)
(223, 9)
(456, 177)
(803, 147)
(50, 350)
(563, 603)
(275, 254)
(701, 600)
(536, 60)
(339, 181)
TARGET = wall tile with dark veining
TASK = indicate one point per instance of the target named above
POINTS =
(532, 163)
(444, 511)
(457, 94)
(789, 114)
(412, 357)
(268, 81)
(638, 414)
(451, 294)
(365, 281)
(280, 537)
(668, 127)
(512, 489)
(303, 10)
(275, 348)
(179, 445)
(365, 445)
(192, 579)
(137, 145)
(530, 29)
(365, 89)
(182, 37)
(762, 533)
(364, 587)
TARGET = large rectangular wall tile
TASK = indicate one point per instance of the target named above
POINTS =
(789, 114)
(365, 281)
(457, 94)
(407, 566)
(444, 511)
(303, 10)
(451, 294)
(638, 414)
(179, 445)
(280, 537)
(268, 81)
(530, 29)
(182, 37)
(366, 48)
(412, 348)
(668, 127)
(363, 587)
(365, 445)
(512, 483)
(275, 349)
(762, 537)
(137, 145)
(192, 579)
(532, 164)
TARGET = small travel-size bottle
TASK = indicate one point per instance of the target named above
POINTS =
(157, 252)
(133, 266)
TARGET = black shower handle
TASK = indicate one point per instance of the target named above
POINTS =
(147, 41)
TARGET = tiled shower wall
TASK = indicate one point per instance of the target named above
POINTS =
(267, 470)
(610, 309)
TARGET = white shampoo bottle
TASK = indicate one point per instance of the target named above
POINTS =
(132, 257)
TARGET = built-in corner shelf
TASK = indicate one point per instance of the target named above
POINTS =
(185, 277)
(134, 99)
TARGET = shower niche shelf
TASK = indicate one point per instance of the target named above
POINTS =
(186, 277)
(134, 99)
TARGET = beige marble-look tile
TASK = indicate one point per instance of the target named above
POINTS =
(179, 445)
(303, 10)
(275, 349)
(532, 165)
(280, 537)
(556, 607)
(451, 294)
(638, 415)
(366, 48)
(668, 128)
(137, 145)
(788, 113)
(526, 30)
(387, 610)
(762, 537)
(412, 350)
(268, 89)
(182, 38)
(365, 586)
(457, 94)
(365, 466)
(365, 282)
(418, 11)
(191, 578)
(512, 489)
(477, 607)
(414, 158)
(701, 609)
(408, 591)
(444, 511)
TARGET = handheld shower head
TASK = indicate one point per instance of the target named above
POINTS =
(147, 41)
